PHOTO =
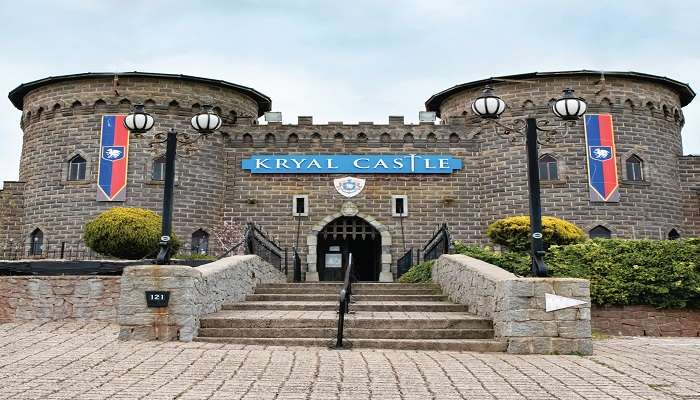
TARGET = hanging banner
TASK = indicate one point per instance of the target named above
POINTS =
(114, 151)
(602, 163)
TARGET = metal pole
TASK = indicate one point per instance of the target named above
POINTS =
(166, 231)
(533, 176)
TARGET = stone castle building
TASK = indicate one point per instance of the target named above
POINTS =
(226, 177)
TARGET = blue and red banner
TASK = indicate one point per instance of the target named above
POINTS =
(114, 159)
(602, 163)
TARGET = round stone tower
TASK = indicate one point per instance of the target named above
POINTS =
(647, 122)
(62, 119)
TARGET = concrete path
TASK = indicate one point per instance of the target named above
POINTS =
(85, 361)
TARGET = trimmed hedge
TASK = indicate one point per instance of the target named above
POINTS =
(514, 232)
(129, 233)
(659, 273)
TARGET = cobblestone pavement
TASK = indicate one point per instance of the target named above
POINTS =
(72, 360)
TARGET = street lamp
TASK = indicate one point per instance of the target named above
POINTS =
(139, 121)
(569, 108)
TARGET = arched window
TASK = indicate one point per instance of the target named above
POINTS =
(673, 234)
(431, 138)
(247, 139)
(454, 138)
(36, 242)
(293, 139)
(200, 242)
(549, 171)
(633, 166)
(76, 168)
(158, 170)
(270, 139)
(599, 232)
(408, 138)
(361, 137)
(385, 138)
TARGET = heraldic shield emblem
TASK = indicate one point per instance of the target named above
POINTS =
(349, 186)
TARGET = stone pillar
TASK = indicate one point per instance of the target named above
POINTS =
(385, 275)
(311, 272)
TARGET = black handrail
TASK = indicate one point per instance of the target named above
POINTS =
(297, 266)
(439, 244)
(344, 303)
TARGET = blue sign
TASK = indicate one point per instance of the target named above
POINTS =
(355, 164)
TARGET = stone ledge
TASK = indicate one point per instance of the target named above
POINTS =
(193, 293)
(517, 305)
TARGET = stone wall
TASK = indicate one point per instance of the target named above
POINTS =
(11, 214)
(689, 167)
(193, 292)
(36, 298)
(517, 305)
(645, 321)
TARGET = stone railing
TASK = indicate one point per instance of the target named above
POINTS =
(193, 293)
(47, 298)
(517, 305)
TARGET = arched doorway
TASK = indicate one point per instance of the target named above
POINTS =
(344, 236)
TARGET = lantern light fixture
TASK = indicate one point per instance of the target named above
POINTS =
(569, 107)
(139, 121)
(206, 121)
(488, 105)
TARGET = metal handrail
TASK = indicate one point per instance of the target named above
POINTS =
(344, 303)
(297, 266)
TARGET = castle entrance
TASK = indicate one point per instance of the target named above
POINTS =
(342, 237)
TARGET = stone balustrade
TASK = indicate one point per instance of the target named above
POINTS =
(193, 293)
(517, 305)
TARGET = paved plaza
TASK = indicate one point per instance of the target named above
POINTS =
(71, 360)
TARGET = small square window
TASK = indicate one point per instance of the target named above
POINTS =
(399, 206)
(300, 206)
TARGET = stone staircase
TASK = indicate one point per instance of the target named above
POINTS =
(383, 315)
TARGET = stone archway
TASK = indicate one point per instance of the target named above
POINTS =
(348, 210)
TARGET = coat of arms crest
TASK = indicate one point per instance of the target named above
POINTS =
(349, 186)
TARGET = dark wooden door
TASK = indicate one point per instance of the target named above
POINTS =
(345, 236)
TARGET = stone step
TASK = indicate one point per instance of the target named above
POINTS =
(329, 319)
(350, 323)
(478, 345)
(429, 306)
(336, 291)
(335, 296)
(359, 333)
(360, 285)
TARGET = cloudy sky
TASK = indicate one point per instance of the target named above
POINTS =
(344, 60)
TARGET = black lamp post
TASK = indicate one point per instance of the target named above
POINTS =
(569, 108)
(139, 121)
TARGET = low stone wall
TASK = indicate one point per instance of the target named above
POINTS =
(517, 305)
(193, 293)
(37, 298)
(645, 321)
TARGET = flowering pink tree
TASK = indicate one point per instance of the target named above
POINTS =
(228, 235)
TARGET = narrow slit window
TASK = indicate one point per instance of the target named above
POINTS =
(633, 165)
(76, 168)
(549, 170)
(158, 172)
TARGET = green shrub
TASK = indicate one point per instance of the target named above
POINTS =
(660, 273)
(130, 233)
(418, 273)
(515, 262)
(514, 232)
